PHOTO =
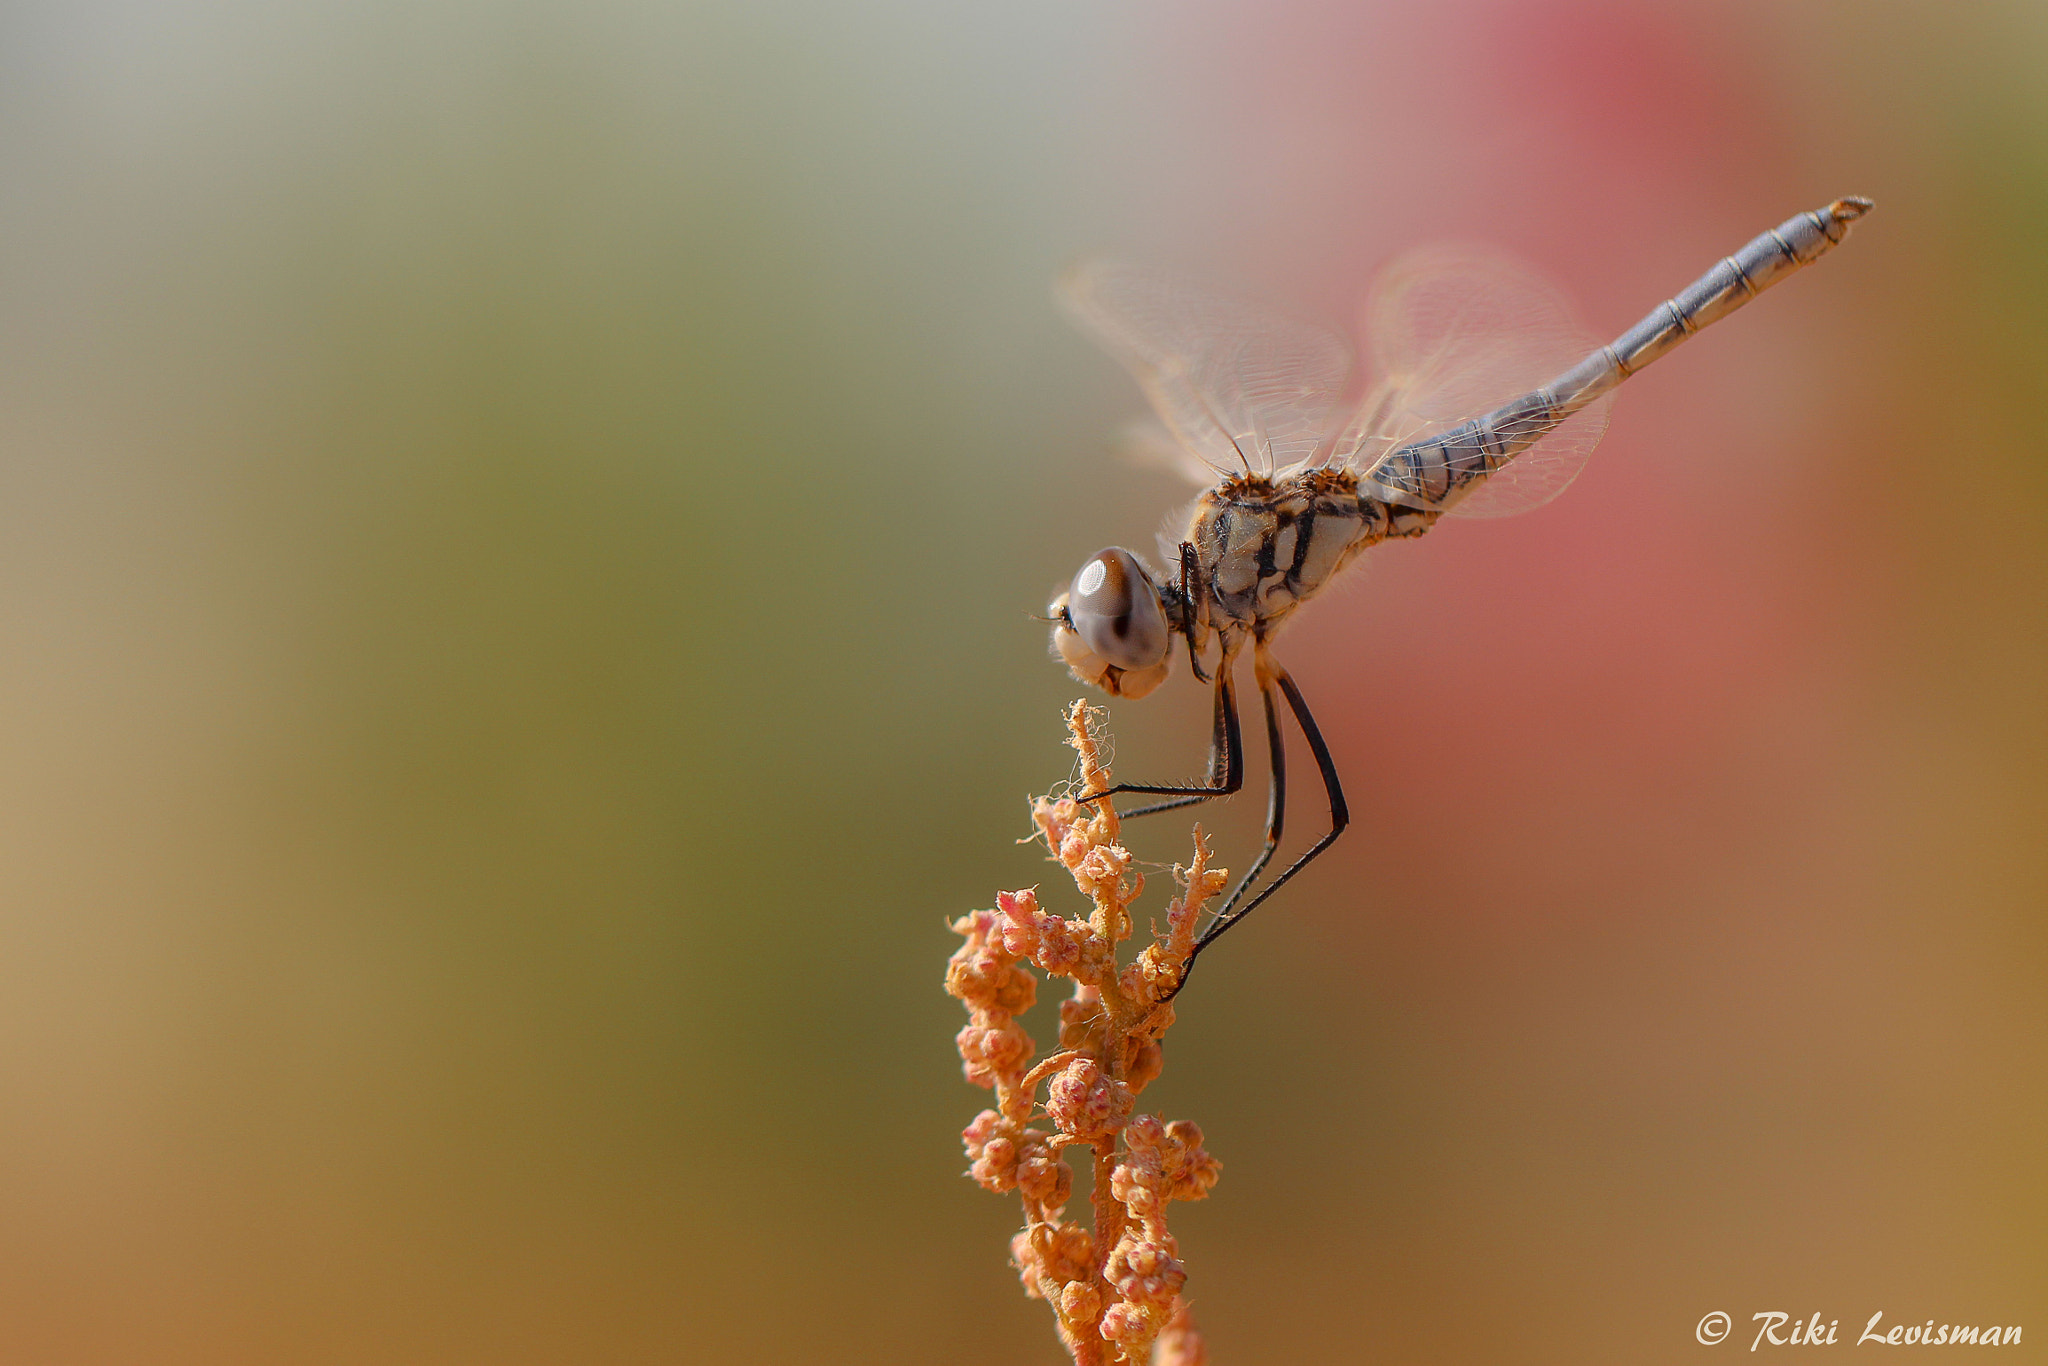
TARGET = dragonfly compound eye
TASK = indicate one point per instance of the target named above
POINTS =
(1116, 612)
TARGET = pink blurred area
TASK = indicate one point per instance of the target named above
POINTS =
(1674, 621)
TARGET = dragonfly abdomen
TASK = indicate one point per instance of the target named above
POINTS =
(1429, 474)
(1769, 258)
(1435, 472)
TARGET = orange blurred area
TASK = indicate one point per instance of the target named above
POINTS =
(518, 532)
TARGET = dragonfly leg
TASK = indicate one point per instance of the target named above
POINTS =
(1187, 608)
(1276, 792)
(1226, 754)
(1340, 814)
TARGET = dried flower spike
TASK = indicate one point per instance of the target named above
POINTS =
(1115, 1284)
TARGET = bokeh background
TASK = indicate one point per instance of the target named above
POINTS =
(517, 526)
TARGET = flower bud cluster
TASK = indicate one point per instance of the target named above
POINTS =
(1062, 947)
(1084, 1028)
(984, 975)
(1003, 1155)
(1087, 1104)
(1157, 971)
(1161, 1163)
(1083, 840)
(1053, 1258)
(1115, 1288)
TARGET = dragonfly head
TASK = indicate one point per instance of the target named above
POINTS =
(1110, 627)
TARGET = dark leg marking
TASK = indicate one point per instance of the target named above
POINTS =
(1226, 755)
(1187, 603)
(1340, 816)
(1276, 792)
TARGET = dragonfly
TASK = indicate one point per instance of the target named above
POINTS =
(1489, 398)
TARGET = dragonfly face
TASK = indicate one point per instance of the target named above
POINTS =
(1110, 626)
(1488, 399)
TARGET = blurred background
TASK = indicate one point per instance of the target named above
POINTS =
(517, 531)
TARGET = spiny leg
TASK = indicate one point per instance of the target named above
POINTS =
(1340, 814)
(1276, 792)
(1226, 754)
(1188, 579)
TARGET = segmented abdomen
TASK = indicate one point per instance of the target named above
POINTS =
(1433, 473)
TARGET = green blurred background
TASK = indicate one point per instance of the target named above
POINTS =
(517, 526)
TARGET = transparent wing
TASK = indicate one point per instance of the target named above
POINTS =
(1455, 333)
(1149, 443)
(1239, 387)
(1543, 471)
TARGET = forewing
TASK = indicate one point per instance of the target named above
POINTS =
(1148, 442)
(1238, 386)
(1456, 332)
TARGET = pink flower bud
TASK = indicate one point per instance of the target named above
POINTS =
(1006, 1049)
(1123, 1323)
(1085, 1103)
(996, 1168)
(1144, 1131)
(1144, 1270)
(1044, 1178)
(1030, 1265)
(985, 1126)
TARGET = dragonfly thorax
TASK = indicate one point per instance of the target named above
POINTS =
(1265, 546)
(1255, 549)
